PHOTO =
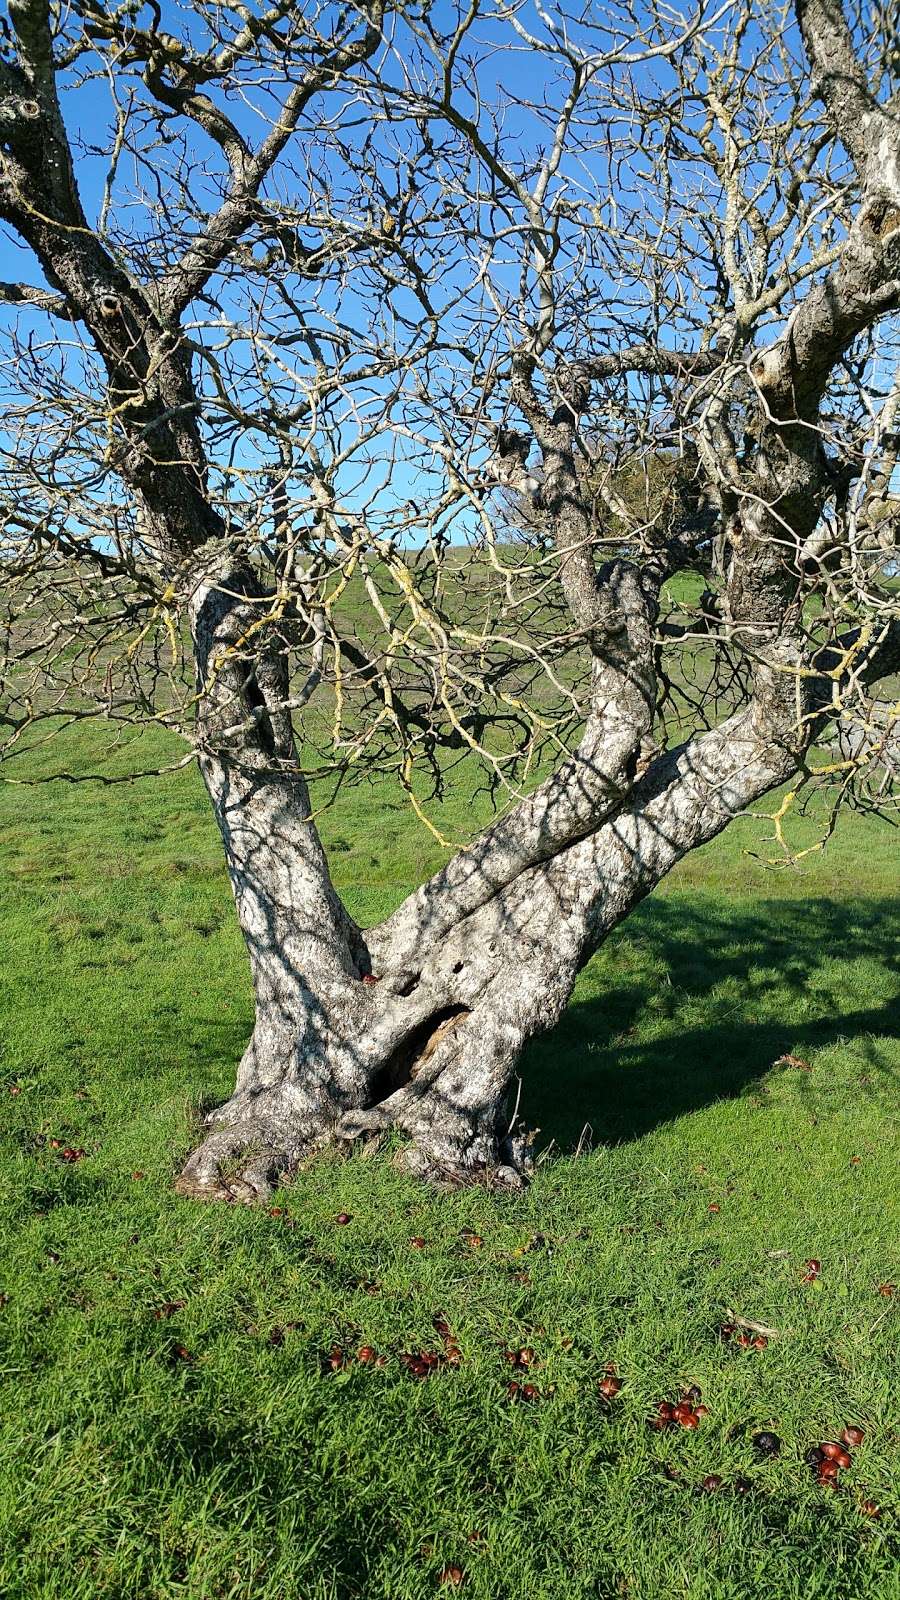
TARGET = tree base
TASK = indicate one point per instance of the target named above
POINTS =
(247, 1159)
(242, 1162)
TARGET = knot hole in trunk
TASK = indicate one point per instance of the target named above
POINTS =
(406, 1061)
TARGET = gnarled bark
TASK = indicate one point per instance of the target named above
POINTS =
(431, 1049)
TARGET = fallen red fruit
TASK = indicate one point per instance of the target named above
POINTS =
(336, 1358)
(453, 1576)
(369, 977)
(853, 1436)
(72, 1155)
(610, 1386)
(813, 1268)
(365, 1354)
(887, 1289)
(529, 1392)
(440, 1324)
(702, 1411)
(343, 1217)
(827, 1471)
(760, 1342)
(526, 1357)
(832, 1451)
(854, 1161)
(182, 1354)
(711, 1483)
(715, 1206)
(418, 1243)
(453, 1355)
(869, 1508)
(136, 1177)
(682, 1411)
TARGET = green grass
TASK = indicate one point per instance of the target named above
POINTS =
(247, 1471)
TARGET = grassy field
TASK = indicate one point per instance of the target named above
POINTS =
(170, 1426)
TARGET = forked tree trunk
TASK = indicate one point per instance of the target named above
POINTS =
(418, 1025)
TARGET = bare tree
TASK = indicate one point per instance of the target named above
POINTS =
(328, 294)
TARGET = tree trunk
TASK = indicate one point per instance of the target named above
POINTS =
(354, 1038)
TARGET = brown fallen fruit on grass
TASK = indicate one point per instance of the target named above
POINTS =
(686, 1415)
(827, 1472)
(610, 1386)
(169, 1308)
(853, 1436)
(665, 1416)
(366, 1355)
(832, 1451)
(335, 1358)
(812, 1270)
(343, 1217)
(453, 1576)
(417, 1243)
(887, 1289)
(870, 1508)
(711, 1483)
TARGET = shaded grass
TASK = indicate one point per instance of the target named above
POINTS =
(129, 1471)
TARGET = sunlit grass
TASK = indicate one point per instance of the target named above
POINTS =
(128, 1470)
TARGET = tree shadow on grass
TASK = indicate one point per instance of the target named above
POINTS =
(693, 1001)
